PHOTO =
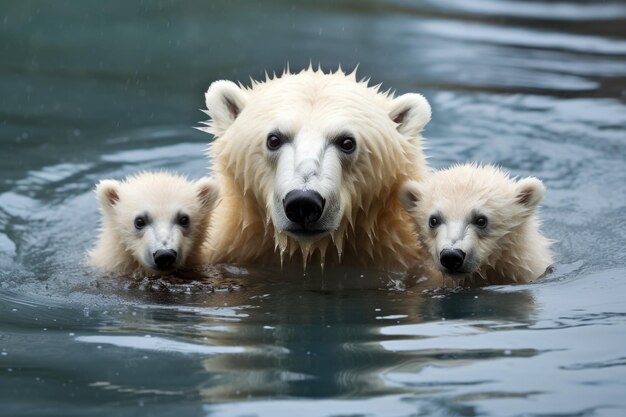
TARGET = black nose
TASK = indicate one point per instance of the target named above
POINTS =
(303, 207)
(164, 258)
(452, 259)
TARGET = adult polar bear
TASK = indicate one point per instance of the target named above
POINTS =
(309, 166)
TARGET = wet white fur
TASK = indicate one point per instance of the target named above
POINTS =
(365, 223)
(510, 249)
(122, 249)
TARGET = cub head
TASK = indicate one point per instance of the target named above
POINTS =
(314, 150)
(157, 218)
(463, 213)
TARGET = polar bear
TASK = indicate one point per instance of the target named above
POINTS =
(152, 222)
(309, 166)
(478, 223)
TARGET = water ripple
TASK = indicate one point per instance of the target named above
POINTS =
(158, 344)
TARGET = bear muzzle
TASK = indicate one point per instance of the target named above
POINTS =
(452, 260)
(165, 259)
(304, 208)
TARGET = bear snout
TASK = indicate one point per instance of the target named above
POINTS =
(303, 207)
(452, 259)
(164, 259)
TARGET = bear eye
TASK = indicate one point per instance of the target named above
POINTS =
(140, 222)
(347, 144)
(274, 142)
(434, 221)
(183, 220)
(480, 222)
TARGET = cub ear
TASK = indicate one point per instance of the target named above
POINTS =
(108, 193)
(208, 192)
(410, 195)
(224, 100)
(530, 192)
(411, 112)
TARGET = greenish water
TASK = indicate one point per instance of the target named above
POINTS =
(102, 89)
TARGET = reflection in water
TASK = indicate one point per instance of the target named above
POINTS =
(323, 343)
(97, 91)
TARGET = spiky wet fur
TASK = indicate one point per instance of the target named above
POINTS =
(374, 231)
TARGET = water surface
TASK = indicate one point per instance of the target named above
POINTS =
(95, 90)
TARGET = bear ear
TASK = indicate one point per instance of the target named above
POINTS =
(207, 191)
(411, 112)
(224, 100)
(530, 192)
(108, 192)
(410, 195)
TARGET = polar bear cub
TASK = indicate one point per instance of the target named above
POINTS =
(477, 222)
(152, 222)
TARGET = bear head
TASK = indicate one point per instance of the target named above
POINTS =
(317, 154)
(156, 218)
(467, 214)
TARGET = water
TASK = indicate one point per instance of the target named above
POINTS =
(101, 89)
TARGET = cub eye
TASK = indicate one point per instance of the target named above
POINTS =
(183, 220)
(347, 144)
(480, 222)
(274, 142)
(140, 222)
(434, 221)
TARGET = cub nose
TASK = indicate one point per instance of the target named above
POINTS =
(452, 259)
(303, 207)
(164, 258)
